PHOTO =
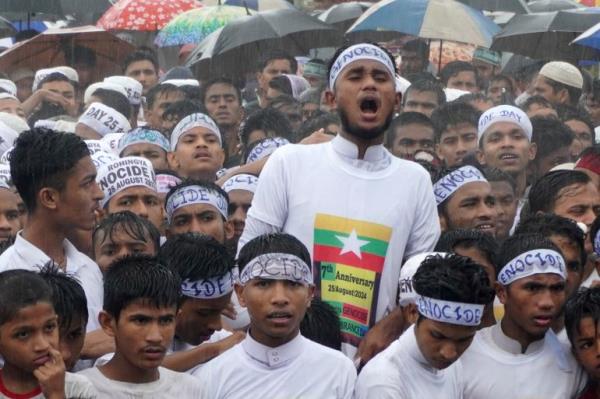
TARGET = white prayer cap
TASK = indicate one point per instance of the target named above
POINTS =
(21, 73)
(298, 83)
(132, 87)
(504, 113)
(104, 119)
(124, 173)
(69, 72)
(192, 121)
(65, 126)
(564, 73)
(242, 181)
(265, 147)
(97, 146)
(45, 124)
(401, 84)
(8, 86)
(113, 139)
(406, 291)
(182, 82)
(41, 74)
(5, 176)
(4, 96)
(102, 85)
(454, 94)
(357, 52)
(102, 158)
(563, 166)
(15, 122)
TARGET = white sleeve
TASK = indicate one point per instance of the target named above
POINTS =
(255, 228)
(376, 384)
(426, 230)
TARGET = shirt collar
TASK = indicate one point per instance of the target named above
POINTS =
(348, 149)
(35, 257)
(512, 346)
(273, 357)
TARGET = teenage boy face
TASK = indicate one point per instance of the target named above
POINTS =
(10, 223)
(200, 218)
(71, 341)
(424, 102)
(412, 138)
(442, 343)
(276, 308)
(151, 152)
(464, 80)
(506, 207)
(26, 339)
(140, 200)
(144, 72)
(198, 153)
(142, 333)
(532, 303)
(107, 249)
(239, 204)
(586, 347)
(506, 147)
(198, 319)
(456, 142)
(471, 207)
(223, 104)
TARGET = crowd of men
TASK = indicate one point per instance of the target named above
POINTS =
(354, 228)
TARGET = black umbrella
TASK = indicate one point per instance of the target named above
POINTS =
(234, 49)
(31, 9)
(553, 5)
(86, 11)
(547, 36)
(516, 6)
(344, 14)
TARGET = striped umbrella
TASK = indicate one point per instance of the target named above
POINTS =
(258, 5)
(427, 19)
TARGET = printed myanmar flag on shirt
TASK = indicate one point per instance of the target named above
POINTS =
(348, 258)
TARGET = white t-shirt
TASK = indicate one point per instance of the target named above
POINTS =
(401, 372)
(300, 369)
(170, 385)
(76, 386)
(358, 218)
(24, 255)
(495, 368)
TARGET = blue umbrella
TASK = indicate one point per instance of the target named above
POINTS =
(427, 19)
(589, 38)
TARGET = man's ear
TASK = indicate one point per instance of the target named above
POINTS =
(239, 291)
(49, 198)
(107, 323)
(172, 161)
(443, 222)
(330, 99)
(480, 156)
(501, 292)
(229, 230)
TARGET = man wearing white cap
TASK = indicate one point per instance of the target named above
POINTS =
(521, 357)
(504, 135)
(451, 292)
(11, 105)
(560, 83)
(240, 189)
(133, 90)
(353, 195)
(55, 86)
(146, 143)
(98, 120)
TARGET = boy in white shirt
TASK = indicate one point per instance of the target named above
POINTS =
(275, 360)
(451, 292)
(140, 305)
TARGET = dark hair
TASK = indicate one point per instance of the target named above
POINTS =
(453, 278)
(582, 304)
(567, 113)
(44, 158)
(544, 192)
(115, 100)
(276, 54)
(468, 239)
(68, 296)
(220, 80)
(418, 46)
(496, 175)
(141, 54)
(505, 78)
(343, 48)
(160, 89)
(192, 93)
(574, 92)
(47, 110)
(472, 97)
(56, 77)
(452, 114)
(282, 84)
(180, 109)
(136, 227)
(19, 289)
(454, 68)
(135, 278)
(192, 182)
(536, 100)
(319, 122)
(272, 243)
(406, 118)
(549, 224)
(321, 324)
(267, 120)
(518, 244)
(549, 135)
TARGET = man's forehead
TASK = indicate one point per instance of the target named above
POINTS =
(193, 209)
(279, 62)
(474, 189)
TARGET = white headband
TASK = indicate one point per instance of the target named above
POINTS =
(450, 183)
(265, 148)
(165, 182)
(192, 195)
(104, 119)
(142, 135)
(191, 121)
(182, 82)
(113, 140)
(133, 89)
(277, 266)
(124, 173)
(504, 113)
(102, 158)
(5, 177)
(210, 288)
(463, 314)
(65, 71)
(97, 146)
(241, 182)
(104, 86)
(537, 261)
(8, 86)
(406, 290)
(361, 51)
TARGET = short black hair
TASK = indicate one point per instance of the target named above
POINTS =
(210, 186)
(504, 78)
(178, 110)
(454, 68)
(159, 89)
(136, 227)
(452, 114)
(582, 304)
(318, 122)
(282, 84)
(44, 158)
(518, 244)
(139, 278)
(276, 54)
(468, 238)
(141, 54)
(418, 46)
(406, 118)
(220, 80)
(543, 193)
(68, 296)
(321, 324)
(272, 243)
(567, 113)
(267, 120)
(115, 100)
(536, 100)
(19, 289)
(549, 135)
(496, 175)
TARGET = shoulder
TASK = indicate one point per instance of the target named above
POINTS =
(412, 169)
(323, 353)
(7, 259)
(186, 384)
(79, 386)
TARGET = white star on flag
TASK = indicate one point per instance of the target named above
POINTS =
(352, 244)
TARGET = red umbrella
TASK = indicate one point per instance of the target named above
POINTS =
(143, 15)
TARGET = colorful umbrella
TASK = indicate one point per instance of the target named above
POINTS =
(427, 19)
(258, 5)
(143, 15)
(194, 25)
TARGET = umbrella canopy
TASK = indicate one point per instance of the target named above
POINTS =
(589, 38)
(53, 47)
(233, 49)
(516, 6)
(7, 29)
(553, 5)
(85, 11)
(427, 19)
(547, 36)
(194, 25)
(257, 5)
(143, 15)
(344, 14)
(31, 9)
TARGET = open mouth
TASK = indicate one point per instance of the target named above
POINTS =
(369, 106)
(508, 157)
(485, 227)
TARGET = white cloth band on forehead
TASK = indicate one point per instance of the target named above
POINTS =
(504, 113)
(448, 184)
(104, 119)
(265, 148)
(143, 136)
(102, 158)
(182, 82)
(91, 89)
(133, 88)
(192, 195)
(8, 86)
(124, 173)
(361, 51)
(96, 146)
(191, 121)
(463, 314)
(210, 288)
(5, 177)
(277, 266)
(241, 182)
(165, 182)
(537, 261)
